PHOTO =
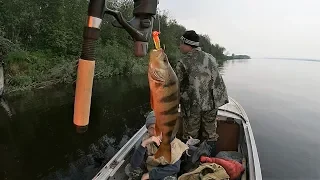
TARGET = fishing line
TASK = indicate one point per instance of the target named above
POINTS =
(155, 33)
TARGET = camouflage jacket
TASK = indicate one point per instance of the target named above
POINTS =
(201, 85)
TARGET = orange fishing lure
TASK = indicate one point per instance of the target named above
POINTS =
(156, 39)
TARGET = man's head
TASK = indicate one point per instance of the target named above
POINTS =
(150, 123)
(188, 41)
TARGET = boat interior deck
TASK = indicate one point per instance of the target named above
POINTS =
(231, 138)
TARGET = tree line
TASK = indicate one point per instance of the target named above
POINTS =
(40, 42)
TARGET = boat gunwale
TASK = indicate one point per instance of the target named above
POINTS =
(118, 158)
(254, 166)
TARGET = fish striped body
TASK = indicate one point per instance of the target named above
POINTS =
(164, 99)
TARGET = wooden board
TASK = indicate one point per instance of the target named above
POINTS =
(228, 136)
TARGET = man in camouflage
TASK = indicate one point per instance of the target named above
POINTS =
(202, 90)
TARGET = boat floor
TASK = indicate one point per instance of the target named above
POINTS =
(121, 175)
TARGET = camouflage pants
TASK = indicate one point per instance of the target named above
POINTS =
(206, 120)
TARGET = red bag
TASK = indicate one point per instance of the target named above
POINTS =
(233, 168)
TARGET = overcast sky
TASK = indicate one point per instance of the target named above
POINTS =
(259, 28)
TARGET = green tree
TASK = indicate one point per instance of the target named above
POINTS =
(41, 41)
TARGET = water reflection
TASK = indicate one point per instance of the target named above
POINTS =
(281, 98)
(8, 152)
(39, 139)
(87, 165)
(9, 111)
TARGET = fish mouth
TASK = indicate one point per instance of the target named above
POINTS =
(156, 75)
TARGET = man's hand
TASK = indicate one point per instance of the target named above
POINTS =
(156, 139)
(145, 176)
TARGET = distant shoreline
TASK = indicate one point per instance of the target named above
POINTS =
(233, 56)
(304, 59)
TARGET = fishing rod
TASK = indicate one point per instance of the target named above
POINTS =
(139, 28)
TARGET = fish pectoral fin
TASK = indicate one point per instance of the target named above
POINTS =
(156, 76)
(165, 151)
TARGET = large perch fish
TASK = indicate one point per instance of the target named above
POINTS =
(164, 99)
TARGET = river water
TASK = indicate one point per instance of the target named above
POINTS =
(281, 98)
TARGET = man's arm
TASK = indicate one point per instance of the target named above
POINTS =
(219, 90)
(139, 153)
(161, 172)
(138, 156)
(179, 70)
(214, 68)
(181, 74)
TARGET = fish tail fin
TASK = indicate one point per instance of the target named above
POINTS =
(165, 151)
